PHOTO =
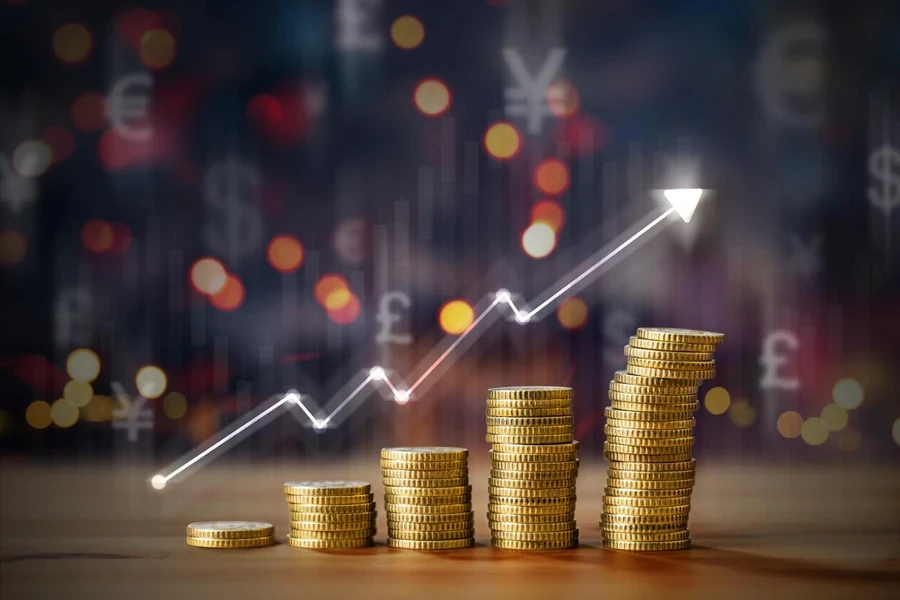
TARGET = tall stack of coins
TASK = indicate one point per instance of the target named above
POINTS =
(230, 534)
(330, 514)
(534, 465)
(650, 433)
(427, 498)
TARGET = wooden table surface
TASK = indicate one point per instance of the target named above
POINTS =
(759, 532)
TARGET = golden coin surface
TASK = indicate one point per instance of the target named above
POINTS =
(507, 517)
(546, 536)
(688, 464)
(498, 507)
(432, 545)
(667, 354)
(528, 421)
(307, 534)
(326, 488)
(424, 453)
(645, 502)
(329, 500)
(396, 528)
(541, 467)
(674, 334)
(644, 520)
(567, 448)
(419, 475)
(646, 536)
(326, 510)
(525, 501)
(328, 544)
(647, 511)
(641, 479)
(394, 508)
(517, 545)
(646, 546)
(680, 409)
(535, 430)
(529, 392)
(416, 491)
(704, 365)
(631, 432)
(534, 475)
(427, 500)
(561, 411)
(507, 492)
(652, 398)
(565, 403)
(532, 527)
(622, 492)
(532, 484)
(652, 425)
(395, 483)
(636, 342)
(431, 536)
(498, 440)
(640, 445)
(345, 526)
(673, 388)
(659, 382)
(643, 527)
(230, 529)
(222, 544)
(319, 517)
(694, 376)
(646, 419)
(424, 465)
(401, 517)
(627, 457)
(535, 460)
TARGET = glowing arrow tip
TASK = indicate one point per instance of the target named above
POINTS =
(684, 201)
(376, 373)
(502, 296)
(158, 482)
(401, 397)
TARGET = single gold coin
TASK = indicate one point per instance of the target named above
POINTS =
(623, 492)
(424, 475)
(424, 465)
(650, 481)
(230, 529)
(499, 440)
(314, 544)
(652, 398)
(508, 492)
(568, 466)
(647, 434)
(629, 378)
(645, 502)
(526, 501)
(561, 449)
(307, 534)
(531, 527)
(679, 356)
(428, 500)
(498, 507)
(636, 342)
(394, 509)
(646, 546)
(329, 500)
(662, 468)
(532, 484)
(529, 392)
(652, 425)
(672, 388)
(627, 457)
(399, 517)
(528, 421)
(689, 336)
(327, 511)
(431, 545)
(646, 419)
(546, 536)
(394, 483)
(323, 526)
(333, 517)
(642, 446)
(415, 491)
(534, 475)
(704, 365)
(519, 519)
(565, 403)
(644, 536)
(677, 410)
(535, 460)
(424, 453)
(644, 520)
(642, 528)
(646, 511)
(517, 545)
(695, 376)
(561, 411)
(326, 488)
(531, 430)
(395, 528)
(222, 544)
(431, 536)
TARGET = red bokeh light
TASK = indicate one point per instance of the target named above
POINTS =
(121, 238)
(282, 117)
(582, 134)
(265, 111)
(550, 212)
(552, 176)
(348, 313)
(135, 23)
(61, 141)
(285, 253)
(231, 296)
(97, 236)
(88, 112)
(328, 284)
(114, 151)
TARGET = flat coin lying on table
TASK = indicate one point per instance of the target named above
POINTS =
(221, 544)
(230, 529)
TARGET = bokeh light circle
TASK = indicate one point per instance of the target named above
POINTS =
(338, 298)
(88, 112)
(562, 99)
(550, 212)
(552, 176)
(456, 316)
(208, 276)
(13, 247)
(175, 405)
(99, 409)
(37, 415)
(835, 417)
(572, 313)
(72, 43)
(78, 393)
(814, 431)
(151, 382)
(83, 365)
(63, 413)
(97, 236)
(848, 393)
(538, 240)
(285, 253)
(32, 158)
(326, 285)
(741, 413)
(432, 97)
(157, 49)
(789, 424)
(717, 400)
(231, 296)
(502, 141)
(348, 313)
(407, 32)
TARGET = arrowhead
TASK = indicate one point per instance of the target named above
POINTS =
(684, 200)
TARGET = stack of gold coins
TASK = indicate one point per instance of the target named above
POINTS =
(330, 514)
(534, 464)
(427, 498)
(230, 534)
(649, 437)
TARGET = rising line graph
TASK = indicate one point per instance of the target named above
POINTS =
(683, 202)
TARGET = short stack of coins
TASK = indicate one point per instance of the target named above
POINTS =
(427, 498)
(534, 465)
(649, 437)
(330, 514)
(230, 534)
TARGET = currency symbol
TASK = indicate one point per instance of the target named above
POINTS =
(238, 231)
(790, 75)
(73, 317)
(774, 355)
(617, 326)
(884, 165)
(357, 27)
(387, 317)
(806, 260)
(131, 414)
(129, 113)
(529, 99)
(15, 191)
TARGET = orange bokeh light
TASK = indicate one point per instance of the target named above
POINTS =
(456, 316)
(572, 313)
(135, 23)
(231, 296)
(89, 112)
(562, 99)
(502, 141)
(157, 49)
(72, 43)
(552, 176)
(347, 313)
(407, 32)
(208, 275)
(550, 212)
(285, 253)
(326, 285)
(13, 247)
(432, 97)
(97, 236)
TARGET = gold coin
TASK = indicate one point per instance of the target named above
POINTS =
(646, 536)
(334, 518)
(500, 507)
(646, 546)
(652, 398)
(529, 392)
(327, 511)
(646, 511)
(646, 419)
(632, 352)
(536, 460)
(640, 484)
(528, 439)
(328, 544)
(673, 388)
(643, 528)
(345, 526)
(535, 475)
(356, 534)
(644, 520)
(326, 488)
(623, 492)
(676, 410)
(505, 517)
(431, 545)
(526, 501)
(230, 529)
(561, 411)
(329, 500)
(528, 421)
(651, 478)
(569, 466)
(653, 381)
(694, 376)
(547, 536)
(431, 536)
(662, 468)
(645, 502)
(627, 457)
(508, 492)
(207, 542)
(652, 425)
(396, 528)
(529, 484)
(516, 545)
(647, 434)
(642, 446)
(636, 342)
(689, 336)
(562, 449)
(671, 365)
(549, 430)
(402, 490)
(424, 453)
(531, 527)
(424, 465)
(424, 475)
(399, 517)
(428, 500)
(394, 508)
(394, 483)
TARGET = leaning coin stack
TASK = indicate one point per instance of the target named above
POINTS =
(649, 437)
(230, 534)
(534, 464)
(427, 498)
(330, 514)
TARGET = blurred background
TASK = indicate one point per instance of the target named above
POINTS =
(206, 204)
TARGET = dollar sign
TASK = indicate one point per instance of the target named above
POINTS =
(884, 165)
(775, 355)
(73, 315)
(387, 317)
(239, 228)
(128, 113)
(617, 326)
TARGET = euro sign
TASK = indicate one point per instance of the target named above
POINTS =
(129, 112)
(777, 349)
(528, 98)
(388, 318)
